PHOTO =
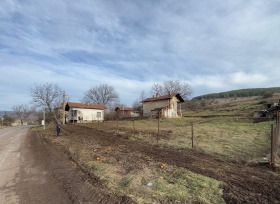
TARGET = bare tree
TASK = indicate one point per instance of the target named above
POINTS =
(102, 94)
(46, 96)
(137, 104)
(7, 119)
(173, 86)
(22, 112)
(158, 88)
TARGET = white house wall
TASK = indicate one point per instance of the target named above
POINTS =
(86, 114)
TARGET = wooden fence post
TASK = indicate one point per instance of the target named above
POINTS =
(117, 125)
(192, 134)
(272, 146)
(275, 134)
(158, 127)
(133, 128)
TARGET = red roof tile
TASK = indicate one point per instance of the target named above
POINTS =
(165, 97)
(84, 105)
(123, 108)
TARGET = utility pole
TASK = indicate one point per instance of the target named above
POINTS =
(63, 108)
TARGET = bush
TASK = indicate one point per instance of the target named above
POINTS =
(267, 94)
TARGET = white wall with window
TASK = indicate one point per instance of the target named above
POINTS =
(84, 115)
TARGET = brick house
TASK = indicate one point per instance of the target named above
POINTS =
(84, 112)
(166, 106)
(123, 112)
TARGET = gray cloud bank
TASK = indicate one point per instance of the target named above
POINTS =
(213, 45)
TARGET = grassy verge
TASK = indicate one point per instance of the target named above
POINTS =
(234, 140)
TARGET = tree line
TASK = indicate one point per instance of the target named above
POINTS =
(240, 93)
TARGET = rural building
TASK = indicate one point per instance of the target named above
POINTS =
(166, 106)
(123, 112)
(84, 112)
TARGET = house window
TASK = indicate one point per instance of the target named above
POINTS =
(74, 113)
(98, 114)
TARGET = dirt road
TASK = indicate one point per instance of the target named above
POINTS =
(33, 172)
(23, 179)
(10, 140)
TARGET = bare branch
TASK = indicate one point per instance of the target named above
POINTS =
(45, 95)
(173, 86)
(22, 112)
(102, 94)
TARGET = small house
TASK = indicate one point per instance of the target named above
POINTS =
(123, 112)
(163, 106)
(84, 112)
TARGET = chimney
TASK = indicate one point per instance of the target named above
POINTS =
(157, 95)
(169, 93)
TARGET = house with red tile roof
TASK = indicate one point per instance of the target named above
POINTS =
(123, 112)
(162, 106)
(84, 112)
(126, 112)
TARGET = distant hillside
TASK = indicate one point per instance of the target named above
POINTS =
(240, 107)
(239, 93)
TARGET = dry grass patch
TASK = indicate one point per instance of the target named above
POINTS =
(229, 139)
(156, 184)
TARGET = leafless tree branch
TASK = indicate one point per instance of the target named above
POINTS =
(45, 95)
(22, 112)
(102, 94)
(173, 86)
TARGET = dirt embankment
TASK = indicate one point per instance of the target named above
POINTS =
(242, 184)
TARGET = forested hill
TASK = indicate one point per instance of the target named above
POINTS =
(240, 93)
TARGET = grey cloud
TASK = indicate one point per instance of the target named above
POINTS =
(215, 45)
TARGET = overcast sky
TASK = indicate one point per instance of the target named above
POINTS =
(214, 45)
